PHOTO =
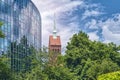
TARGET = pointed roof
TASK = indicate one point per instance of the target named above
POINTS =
(54, 39)
(54, 29)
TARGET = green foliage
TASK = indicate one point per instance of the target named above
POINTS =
(88, 59)
(42, 70)
(59, 73)
(110, 76)
(97, 68)
(2, 35)
(36, 74)
(37, 66)
(5, 72)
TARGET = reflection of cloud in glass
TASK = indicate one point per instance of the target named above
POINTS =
(20, 18)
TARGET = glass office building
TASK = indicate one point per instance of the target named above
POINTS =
(21, 19)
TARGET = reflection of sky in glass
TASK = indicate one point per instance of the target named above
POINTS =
(20, 17)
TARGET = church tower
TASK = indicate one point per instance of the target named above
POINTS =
(54, 44)
(54, 41)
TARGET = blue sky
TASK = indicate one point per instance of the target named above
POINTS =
(100, 19)
(111, 6)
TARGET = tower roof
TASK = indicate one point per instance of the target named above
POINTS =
(54, 41)
(54, 29)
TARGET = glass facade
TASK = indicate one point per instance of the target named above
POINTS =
(22, 28)
(20, 18)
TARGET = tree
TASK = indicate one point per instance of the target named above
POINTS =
(88, 59)
(2, 35)
(59, 71)
(43, 70)
(110, 76)
(97, 68)
(5, 72)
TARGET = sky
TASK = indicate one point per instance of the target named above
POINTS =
(100, 19)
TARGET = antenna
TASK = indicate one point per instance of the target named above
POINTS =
(54, 22)
(54, 30)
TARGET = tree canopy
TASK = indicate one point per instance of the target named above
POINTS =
(88, 59)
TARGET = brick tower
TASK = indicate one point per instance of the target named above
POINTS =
(54, 45)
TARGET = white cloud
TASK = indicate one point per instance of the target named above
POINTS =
(111, 29)
(113, 23)
(92, 24)
(93, 36)
(109, 36)
(92, 10)
(91, 13)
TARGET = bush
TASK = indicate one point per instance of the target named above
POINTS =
(110, 76)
